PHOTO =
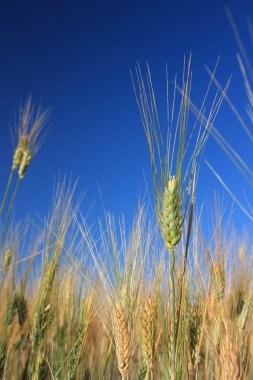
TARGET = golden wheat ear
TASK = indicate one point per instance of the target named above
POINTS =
(122, 339)
(148, 330)
(219, 280)
(230, 360)
(18, 153)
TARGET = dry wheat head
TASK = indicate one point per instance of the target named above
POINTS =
(230, 362)
(219, 280)
(18, 154)
(148, 321)
(122, 339)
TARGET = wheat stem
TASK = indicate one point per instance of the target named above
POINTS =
(108, 355)
(173, 312)
(6, 192)
(10, 209)
(185, 257)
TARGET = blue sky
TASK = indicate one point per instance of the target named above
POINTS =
(76, 56)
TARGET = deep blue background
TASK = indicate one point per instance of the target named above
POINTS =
(76, 56)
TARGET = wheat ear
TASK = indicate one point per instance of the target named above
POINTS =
(148, 325)
(122, 339)
(17, 157)
(24, 163)
(230, 362)
(219, 280)
(171, 221)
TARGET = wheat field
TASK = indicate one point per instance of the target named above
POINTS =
(161, 301)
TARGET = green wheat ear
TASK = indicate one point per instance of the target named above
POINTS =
(171, 220)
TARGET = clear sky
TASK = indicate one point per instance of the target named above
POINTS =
(76, 57)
